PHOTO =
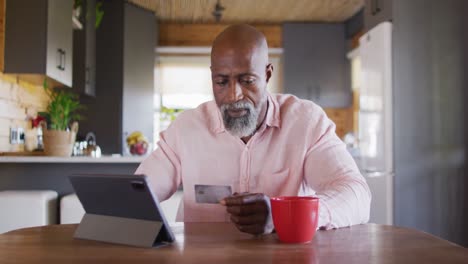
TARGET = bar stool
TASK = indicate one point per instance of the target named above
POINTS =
(27, 208)
(71, 210)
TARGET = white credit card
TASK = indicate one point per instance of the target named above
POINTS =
(211, 193)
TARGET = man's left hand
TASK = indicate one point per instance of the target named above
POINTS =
(250, 212)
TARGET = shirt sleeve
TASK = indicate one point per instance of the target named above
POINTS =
(163, 166)
(331, 171)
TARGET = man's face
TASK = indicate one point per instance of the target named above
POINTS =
(239, 79)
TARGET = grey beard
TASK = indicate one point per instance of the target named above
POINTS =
(243, 126)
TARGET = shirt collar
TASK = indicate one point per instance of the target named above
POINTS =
(217, 125)
(272, 118)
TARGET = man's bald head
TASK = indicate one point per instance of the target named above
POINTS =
(240, 72)
(241, 39)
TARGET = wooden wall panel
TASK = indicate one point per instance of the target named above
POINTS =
(204, 34)
(343, 119)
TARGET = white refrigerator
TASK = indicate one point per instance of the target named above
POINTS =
(375, 138)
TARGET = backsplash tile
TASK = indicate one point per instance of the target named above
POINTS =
(16, 98)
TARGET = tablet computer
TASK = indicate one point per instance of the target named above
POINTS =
(124, 206)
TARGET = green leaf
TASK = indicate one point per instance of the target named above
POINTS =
(99, 14)
(62, 109)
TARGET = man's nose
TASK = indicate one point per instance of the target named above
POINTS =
(235, 92)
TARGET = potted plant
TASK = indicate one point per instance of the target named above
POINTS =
(81, 14)
(61, 126)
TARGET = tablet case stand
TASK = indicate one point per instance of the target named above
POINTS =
(120, 230)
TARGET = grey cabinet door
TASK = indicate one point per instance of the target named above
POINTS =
(125, 57)
(377, 11)
(60, 41)
(24, 36)
(84, 53)
(138, 85)
(90, 56)
(315, 64)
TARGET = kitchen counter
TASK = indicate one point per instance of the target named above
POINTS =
(48, 159)
(51, 173)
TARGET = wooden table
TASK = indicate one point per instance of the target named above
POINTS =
(222, 243)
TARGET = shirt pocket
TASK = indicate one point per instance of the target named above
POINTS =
(273, 183)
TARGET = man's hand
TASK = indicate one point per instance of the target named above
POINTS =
(250, 212)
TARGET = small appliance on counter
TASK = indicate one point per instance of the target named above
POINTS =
(87, 147)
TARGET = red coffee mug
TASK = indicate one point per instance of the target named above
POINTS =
(295, 218)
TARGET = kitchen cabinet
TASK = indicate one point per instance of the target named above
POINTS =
(37, 39)
(377, 11)
(125, 57)
(315, 64)
(84, 52)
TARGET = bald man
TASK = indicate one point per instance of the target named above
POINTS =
(259, 144)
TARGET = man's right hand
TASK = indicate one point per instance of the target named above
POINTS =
(250, 212)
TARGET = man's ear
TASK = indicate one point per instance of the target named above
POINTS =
(269, 71)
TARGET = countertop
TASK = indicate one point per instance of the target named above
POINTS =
(48, 159)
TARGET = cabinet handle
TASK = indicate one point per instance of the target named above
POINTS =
(64, 54)
(59, 59)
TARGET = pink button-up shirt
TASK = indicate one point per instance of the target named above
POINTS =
(294, 152)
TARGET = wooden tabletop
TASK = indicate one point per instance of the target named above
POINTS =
(222, 243)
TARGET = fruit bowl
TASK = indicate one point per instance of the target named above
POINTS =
(139, 148)
(137, 144)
